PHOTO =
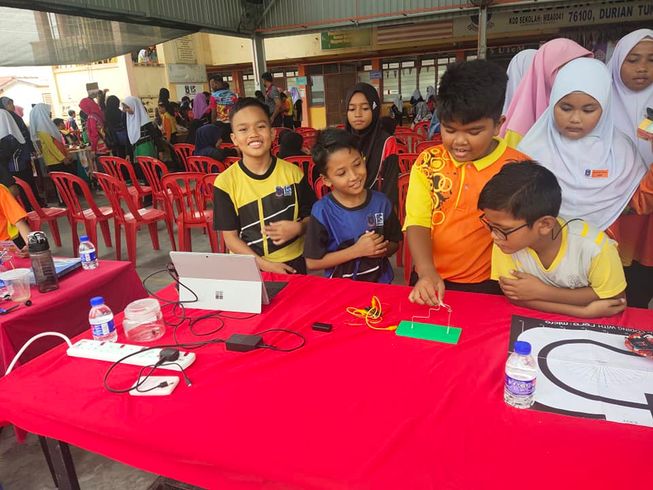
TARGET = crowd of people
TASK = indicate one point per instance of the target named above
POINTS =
(539, 215)
(541, 189)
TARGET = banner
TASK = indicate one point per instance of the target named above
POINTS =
(506, 21)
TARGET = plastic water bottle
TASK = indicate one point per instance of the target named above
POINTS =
(519, 390)
(87, 253)
(101, 320)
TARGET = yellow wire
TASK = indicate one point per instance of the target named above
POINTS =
(372, 316)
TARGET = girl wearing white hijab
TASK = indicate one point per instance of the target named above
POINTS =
(597, 166)
(140, 129)
(519, 65)
(631, 66)
(44, 131)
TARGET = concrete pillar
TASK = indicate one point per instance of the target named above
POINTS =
(258, 59)
(482, 33)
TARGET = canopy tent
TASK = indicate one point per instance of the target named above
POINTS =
(58, 32)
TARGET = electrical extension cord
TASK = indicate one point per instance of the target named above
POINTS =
(113, 352)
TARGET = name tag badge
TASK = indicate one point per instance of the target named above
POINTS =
(601, 173)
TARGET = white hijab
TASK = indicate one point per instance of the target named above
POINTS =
(9, 127)
(40, 122)
(136, 120)
(598, 200)
(629, 107)
(519, 65)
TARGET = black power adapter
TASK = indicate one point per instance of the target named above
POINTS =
(240, 342)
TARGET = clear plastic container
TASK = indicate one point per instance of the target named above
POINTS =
(143, 320)
(521, 372)
(16, 282)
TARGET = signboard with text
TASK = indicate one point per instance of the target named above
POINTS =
(346, 39)
(556, 17)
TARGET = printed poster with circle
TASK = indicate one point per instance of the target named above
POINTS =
(587, 370)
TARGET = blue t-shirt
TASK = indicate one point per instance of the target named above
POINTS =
(335, 227)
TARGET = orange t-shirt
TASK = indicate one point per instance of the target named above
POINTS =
(443, 196)
(10, 213)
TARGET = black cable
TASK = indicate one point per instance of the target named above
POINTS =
(275, 348)
(553, 237)
(218, 315)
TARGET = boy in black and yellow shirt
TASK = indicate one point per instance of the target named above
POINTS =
(262, 203)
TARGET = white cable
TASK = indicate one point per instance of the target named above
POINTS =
(29, 342)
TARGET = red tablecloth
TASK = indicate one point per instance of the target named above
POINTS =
(66, 309)
(354, 408)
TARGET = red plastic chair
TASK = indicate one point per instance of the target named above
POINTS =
(49, 215)
(154, 170)
(229, 161)
(425, 145)
(277, 133)
(422, 129)
(208, 186)
(205, 165)
(227, 146)
(406, 161)
(408, 137)
(403, 252)
(67, 186)
(321, 189)
(183, 151)
(116, 191)
(117, 167)
(309, 135)
(189, 207)
(307, 165)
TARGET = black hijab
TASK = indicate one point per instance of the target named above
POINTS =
(164, 95)
(112, 114)
(373, 137)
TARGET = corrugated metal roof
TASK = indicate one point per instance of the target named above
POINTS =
(105, 28)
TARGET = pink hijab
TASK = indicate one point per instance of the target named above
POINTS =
(91, 108)
(532, 96)
(199, 105)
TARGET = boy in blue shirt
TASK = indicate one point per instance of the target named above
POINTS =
(352, 230)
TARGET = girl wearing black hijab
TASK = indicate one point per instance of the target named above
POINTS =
(115, 126)
(20, 165)
(209, 137)
(379, 148)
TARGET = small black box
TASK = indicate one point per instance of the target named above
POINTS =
(243, 342)
(322, 327)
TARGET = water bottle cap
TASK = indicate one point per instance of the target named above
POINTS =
(37, 241)
(83, 238)
(522, 348)
(97, 301)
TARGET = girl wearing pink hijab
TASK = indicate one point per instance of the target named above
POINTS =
(532, 96)
(94, 125)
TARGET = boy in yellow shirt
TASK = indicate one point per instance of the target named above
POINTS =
(449, 245)
(543, 261)
(13, 220)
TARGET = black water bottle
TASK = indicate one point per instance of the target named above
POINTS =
(42, 263)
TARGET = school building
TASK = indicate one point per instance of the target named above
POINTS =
(397, 59)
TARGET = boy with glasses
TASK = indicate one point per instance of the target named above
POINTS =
(541, 260)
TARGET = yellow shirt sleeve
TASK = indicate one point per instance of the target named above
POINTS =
(419, 204)
(51, 154)
(502, 264)
(512, 138)
(606, 274)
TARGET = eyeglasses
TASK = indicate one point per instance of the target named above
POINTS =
(498, 231)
